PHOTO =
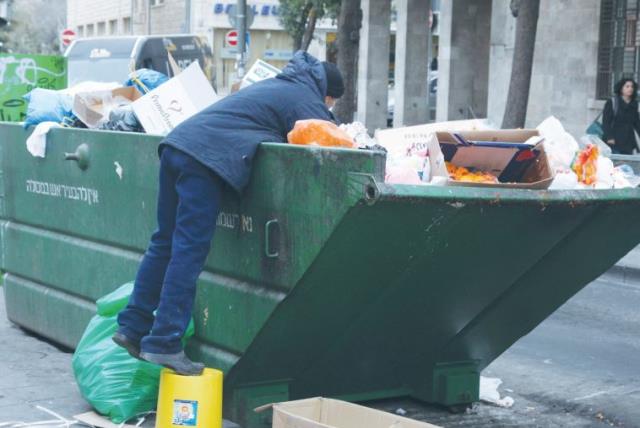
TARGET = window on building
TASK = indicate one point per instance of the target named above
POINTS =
(102, 28)
(80, 30)
(126, 25)
(113, 27)
(156, 2)
(89, 30)
(619, 44)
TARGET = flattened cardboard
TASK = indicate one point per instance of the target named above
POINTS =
(99, 421)
(260, 70)
(176, 100)
(329, 413)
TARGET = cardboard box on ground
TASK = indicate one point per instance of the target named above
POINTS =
(516, 157)
(330, 413)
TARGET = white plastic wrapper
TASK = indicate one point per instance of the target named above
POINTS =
(358, 132)
(604, 148)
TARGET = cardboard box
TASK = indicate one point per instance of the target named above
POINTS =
(174, 101)
(516, 157)
(399, 140)
(329, 413)
(93, 108)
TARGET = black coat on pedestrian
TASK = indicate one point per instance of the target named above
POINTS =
(225, 136)
(621, 125)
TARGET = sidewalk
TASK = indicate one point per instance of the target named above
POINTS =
(34, 372)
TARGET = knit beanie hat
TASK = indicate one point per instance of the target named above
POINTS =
(335, 84)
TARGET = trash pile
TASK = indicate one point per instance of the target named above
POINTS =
(147, 102)
(472, 153)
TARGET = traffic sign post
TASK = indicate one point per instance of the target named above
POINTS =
(241, 18)
(233, 16)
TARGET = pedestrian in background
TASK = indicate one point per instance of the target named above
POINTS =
(620, 119)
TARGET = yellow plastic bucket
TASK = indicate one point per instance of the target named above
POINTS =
(190, 401)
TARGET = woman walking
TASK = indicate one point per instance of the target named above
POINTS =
(620, 120)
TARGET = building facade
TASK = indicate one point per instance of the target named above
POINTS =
(207, 18)
(89, 18)
(582, 48)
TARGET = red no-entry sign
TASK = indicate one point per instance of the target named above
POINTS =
(68, 36)
(232, 38)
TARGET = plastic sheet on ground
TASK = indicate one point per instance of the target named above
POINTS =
(489, 392)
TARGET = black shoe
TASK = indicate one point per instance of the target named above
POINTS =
(132, 348)
(178, 362)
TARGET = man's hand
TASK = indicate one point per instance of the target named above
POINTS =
(611, 142)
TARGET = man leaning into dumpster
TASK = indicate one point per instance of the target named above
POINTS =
(199, 159)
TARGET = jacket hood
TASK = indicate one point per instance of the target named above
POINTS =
(306, 69)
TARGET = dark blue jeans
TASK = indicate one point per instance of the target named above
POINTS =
(188, 206)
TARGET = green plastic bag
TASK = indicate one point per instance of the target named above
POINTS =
(114, 383)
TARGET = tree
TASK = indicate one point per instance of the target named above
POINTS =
(349, 23)
(527, 12)
(32, 31)
(299, 17)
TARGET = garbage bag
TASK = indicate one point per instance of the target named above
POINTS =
(559, 145)
(146, 80)
(45, 105)
(122, 119)
(319, 133)
(114, 383)
(624, 176)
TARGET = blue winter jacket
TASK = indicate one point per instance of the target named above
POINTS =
(226, 135)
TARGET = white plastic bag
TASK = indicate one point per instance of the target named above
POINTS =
(564, 180)
(560, 146)
(405, 170)
(604, 173)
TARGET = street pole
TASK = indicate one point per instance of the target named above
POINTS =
(242, 35)
(187, 20)
(148, 16)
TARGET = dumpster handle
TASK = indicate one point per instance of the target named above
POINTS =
(267, 239)
(81, 155)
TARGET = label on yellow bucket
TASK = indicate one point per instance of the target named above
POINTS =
(185, 413)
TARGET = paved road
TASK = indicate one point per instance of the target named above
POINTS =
(580, 368)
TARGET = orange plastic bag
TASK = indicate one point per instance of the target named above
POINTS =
(585, 164)
(319, 133)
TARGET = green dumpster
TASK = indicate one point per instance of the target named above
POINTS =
(322, 280)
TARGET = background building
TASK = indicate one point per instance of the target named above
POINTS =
(207, 18)
(582, 47)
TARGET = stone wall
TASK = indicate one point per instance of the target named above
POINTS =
(565, 63)
(463, 59)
